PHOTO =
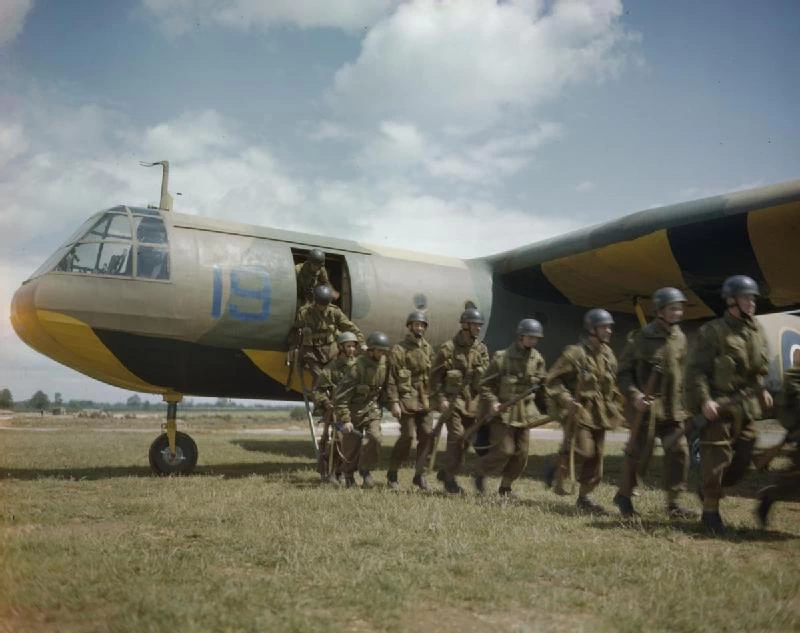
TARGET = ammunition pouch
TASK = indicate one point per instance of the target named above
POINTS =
(321, 338)
(724, 374)
(587, 386)
(509, 387)
(404, 379)
(453, 382)
(362, 390)
(606, 386)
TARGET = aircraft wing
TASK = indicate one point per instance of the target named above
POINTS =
(693, 246)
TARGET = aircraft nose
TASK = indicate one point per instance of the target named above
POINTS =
(24, 319)
(40, 317)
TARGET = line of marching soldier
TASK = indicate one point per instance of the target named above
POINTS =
(494, 402)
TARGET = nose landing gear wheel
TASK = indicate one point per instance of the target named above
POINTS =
(163, 462)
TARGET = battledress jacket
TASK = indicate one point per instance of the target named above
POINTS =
(457, 371)
(646, 350)
(590, 378)
(728, 359)
(409, 374)
(361, 393)
(512, 372)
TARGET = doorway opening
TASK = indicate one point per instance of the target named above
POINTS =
(339, 276)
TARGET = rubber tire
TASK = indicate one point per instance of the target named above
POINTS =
(184, 445)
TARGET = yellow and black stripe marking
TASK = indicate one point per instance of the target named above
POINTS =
(695, 257)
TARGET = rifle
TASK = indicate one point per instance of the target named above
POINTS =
(650, 388)
(292, 358)
(339, 426)
(326, 460)
(699, 421)
(305, 396)
(440, 421)
(503, 408)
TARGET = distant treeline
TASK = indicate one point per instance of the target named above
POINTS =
(40, 401)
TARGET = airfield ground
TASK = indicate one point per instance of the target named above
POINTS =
(90, 541)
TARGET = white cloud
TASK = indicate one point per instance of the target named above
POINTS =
(326, 131)
(55, 182)
(441, 89)
(584, 186)
(178, 16)
(469, 65)
(395, 143)
(401, 145)
(12, 141)
(12, 18)
(460, 227)
(190, 135)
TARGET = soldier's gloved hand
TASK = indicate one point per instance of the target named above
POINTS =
(443, 404)
(642, 404)
(496, 407)
(363, 347)
(711, 410)
(348, 427)
(766, 399)
(395, 410)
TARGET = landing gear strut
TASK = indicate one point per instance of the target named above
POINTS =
(173, 452)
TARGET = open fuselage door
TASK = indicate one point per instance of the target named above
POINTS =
(338, 273)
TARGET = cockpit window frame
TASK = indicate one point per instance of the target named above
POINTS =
(84, 236)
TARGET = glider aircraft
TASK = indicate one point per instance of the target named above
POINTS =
(155, 301)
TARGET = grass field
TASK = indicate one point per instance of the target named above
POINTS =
(90, 541)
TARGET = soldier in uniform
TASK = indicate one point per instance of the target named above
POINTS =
(582, 384)
(310, 274)
(787, 485)
(358, 400)
(725, 383)
(316, 329)
(323, 401)
(511, 373)
(409, 373)
(651, 377)
(455, 377)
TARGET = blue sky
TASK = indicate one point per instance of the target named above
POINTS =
(454, 127)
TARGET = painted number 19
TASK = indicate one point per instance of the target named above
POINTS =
(249, 296)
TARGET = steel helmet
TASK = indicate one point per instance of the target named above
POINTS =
(417, 315)
(739, 285)
(322, 295)
(530, 327)
(316, 256)
(346, 337)
(471, 315)
(378, 340)
(595, 317)
(664, 296)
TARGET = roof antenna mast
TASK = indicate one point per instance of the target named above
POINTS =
(165, 204)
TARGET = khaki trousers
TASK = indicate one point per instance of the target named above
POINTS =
(411, 424)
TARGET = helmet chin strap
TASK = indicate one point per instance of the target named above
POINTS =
(736, 311)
